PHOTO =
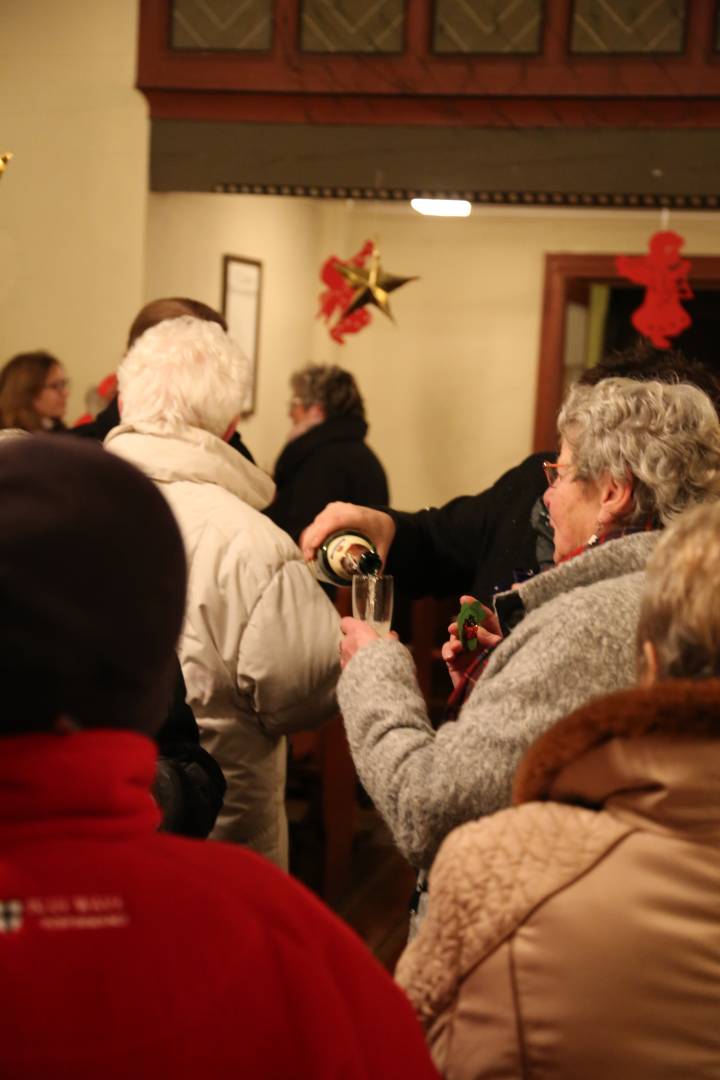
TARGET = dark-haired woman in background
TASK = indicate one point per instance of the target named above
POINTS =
(33, 393)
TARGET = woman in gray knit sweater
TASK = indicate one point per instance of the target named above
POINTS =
(633, 456)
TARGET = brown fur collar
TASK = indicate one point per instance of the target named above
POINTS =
(673, 707)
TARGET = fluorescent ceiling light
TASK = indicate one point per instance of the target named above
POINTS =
(442, 207)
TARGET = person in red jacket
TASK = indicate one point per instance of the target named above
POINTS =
(125, 951)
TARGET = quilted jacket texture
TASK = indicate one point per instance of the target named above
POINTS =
(576, 641)
(578, 934)
(259, 645)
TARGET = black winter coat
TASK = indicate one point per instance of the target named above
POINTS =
(475, 543)
(329, 462)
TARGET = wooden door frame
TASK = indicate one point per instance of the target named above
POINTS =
(565, 275)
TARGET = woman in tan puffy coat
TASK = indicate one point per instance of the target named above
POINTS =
(578, 934)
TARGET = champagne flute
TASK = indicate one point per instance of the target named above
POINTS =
(372, 600)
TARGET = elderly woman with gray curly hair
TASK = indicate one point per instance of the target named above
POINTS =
(632, 457)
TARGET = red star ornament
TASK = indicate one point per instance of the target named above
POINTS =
(338, 293)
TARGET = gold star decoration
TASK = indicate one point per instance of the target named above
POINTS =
(5, 159)
(372, 285)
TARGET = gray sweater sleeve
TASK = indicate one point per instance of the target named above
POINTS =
(425, 782)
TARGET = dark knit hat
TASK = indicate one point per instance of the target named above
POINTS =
(92, 588)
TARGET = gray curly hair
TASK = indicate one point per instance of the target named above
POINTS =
(666, 436)
(330, 386)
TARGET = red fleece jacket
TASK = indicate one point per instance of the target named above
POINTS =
(129, 953)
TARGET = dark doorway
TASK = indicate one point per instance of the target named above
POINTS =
(701, 340)
(568, 279)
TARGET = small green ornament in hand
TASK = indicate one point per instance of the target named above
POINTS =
(468, 619)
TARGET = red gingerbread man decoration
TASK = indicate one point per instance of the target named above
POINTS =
(339, 293)
(665, 276)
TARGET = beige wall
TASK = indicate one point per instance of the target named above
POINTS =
(187, 237)
(450, 387)
(72, 202)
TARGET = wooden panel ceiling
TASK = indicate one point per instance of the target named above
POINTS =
(267, 114)
(552, 88)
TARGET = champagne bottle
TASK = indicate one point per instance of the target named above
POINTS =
(343, 554)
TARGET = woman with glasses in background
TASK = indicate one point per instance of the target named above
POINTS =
(33, 393)
(632, 457)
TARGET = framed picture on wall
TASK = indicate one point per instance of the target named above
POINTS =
(242, 283)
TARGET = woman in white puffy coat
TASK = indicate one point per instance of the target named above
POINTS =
(259, 648)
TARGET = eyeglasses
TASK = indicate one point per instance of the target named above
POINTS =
(57, 384)
(552, 473)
